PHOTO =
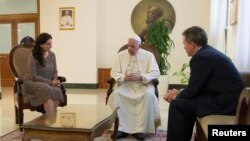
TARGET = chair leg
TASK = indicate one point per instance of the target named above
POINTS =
(16, 114)
(116, 124)
(20, 117)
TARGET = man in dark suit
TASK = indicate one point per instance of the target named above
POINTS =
(213, 88)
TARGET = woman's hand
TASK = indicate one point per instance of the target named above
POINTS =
(56, 83)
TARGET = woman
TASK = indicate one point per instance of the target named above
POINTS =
(41, 84)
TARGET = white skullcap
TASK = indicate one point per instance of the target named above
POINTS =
(135, 37)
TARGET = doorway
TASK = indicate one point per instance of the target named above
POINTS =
(13, 28)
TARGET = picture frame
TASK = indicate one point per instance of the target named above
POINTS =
(67, 18)
(233, 11)
(68, 120)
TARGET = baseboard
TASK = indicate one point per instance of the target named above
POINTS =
(177, 86)
(95, 86)
(80, 86)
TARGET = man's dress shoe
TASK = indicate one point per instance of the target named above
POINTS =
(139, 136)
(121, 134)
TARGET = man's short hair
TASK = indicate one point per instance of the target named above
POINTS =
(196, 35)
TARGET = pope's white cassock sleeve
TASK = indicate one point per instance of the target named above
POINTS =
(138, 105)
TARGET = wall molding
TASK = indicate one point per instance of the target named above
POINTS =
(95, 86)
(80, 85)
(177, 86)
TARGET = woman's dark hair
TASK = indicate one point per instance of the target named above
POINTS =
(37, 51)
(196, 35)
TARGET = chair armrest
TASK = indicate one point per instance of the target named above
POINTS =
(18, 87)
(19, 81)
(155, 83)
(111, 82)
(243, 107)
(61, 79)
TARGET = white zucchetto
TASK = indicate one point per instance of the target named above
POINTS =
(135, 37)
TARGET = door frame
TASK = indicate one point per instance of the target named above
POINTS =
(14, 20)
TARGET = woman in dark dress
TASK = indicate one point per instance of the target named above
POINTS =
(41, 84)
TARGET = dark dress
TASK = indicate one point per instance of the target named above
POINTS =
(37, 81)
(213, 88)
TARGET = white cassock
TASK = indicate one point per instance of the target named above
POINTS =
(138, 105)
(67, 21)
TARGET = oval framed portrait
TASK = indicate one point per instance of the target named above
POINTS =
(148, 10)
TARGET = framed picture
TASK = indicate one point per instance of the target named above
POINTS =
(68, 120)
(233, 11)
(67, 18)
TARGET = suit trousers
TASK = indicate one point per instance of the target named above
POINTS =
(181, 119)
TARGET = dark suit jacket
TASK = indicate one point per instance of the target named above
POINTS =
(214, 84)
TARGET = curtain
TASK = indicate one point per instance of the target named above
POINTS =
(218, 24)
(243, 36)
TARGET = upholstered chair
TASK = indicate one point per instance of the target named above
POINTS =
(242, 116)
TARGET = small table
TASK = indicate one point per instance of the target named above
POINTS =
(72, 122)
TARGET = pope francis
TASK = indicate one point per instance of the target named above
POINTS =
(133, 70)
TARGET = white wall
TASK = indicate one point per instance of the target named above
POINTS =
(114, 28)
(75, 49)
(188, 13)
(102, 27)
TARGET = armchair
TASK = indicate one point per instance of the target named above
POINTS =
(19, 56)
(155, 82)
(242, 116)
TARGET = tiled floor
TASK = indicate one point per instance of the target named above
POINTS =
(75, 96)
